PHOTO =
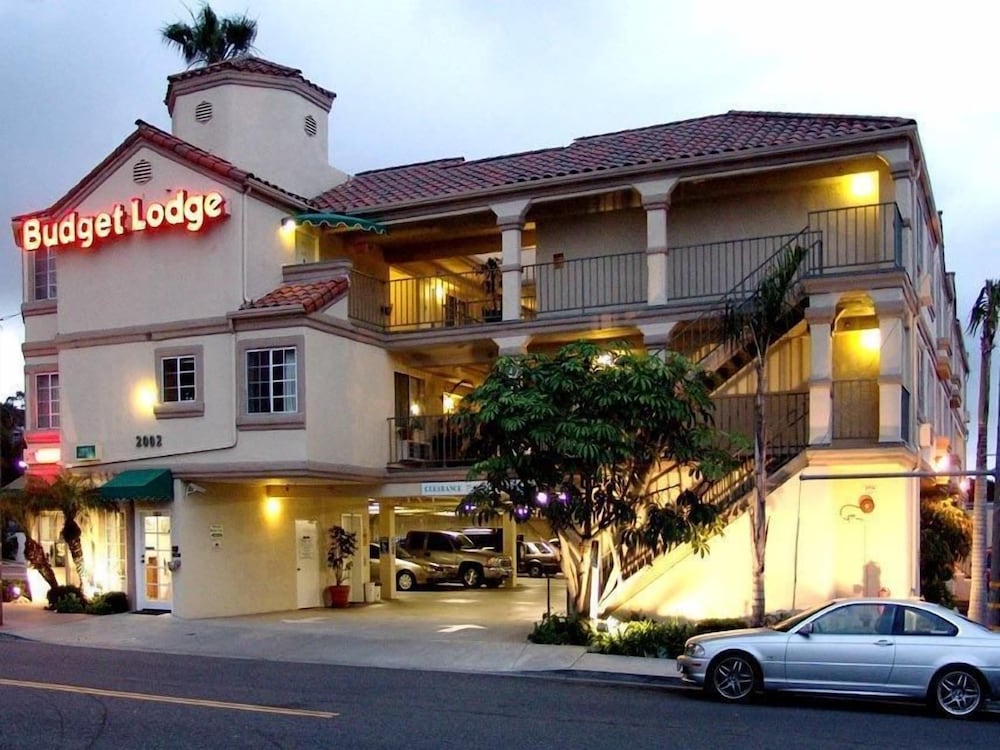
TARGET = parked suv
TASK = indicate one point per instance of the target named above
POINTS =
(459, 558)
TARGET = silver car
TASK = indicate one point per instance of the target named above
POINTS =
(869, 647)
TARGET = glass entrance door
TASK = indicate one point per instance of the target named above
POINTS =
(154, 589)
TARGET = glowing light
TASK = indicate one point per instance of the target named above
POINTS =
(871, 339)
(448, 402)
(942, 463)
(542, 498)
(48, 455)
(863, 185)
(288, 225)
(272, 507)
(415, 410)
(606, 360)
(144, 397)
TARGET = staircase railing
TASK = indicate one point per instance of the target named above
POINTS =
(730, 493)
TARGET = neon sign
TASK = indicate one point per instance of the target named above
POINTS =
(193, 211)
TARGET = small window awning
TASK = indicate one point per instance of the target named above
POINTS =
(139, 484)
(335, 221)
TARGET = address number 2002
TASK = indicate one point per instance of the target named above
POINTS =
(149, 441)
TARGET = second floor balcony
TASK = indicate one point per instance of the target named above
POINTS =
(839, 241)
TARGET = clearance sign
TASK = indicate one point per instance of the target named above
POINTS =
(194, 212)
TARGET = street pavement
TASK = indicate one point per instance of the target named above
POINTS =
(453, 630)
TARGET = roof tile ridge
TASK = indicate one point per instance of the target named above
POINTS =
(446, 161)
(656, 126)
(816, 115)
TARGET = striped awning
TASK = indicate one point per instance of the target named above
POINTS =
(338, 221)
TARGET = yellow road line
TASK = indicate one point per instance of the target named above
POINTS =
(168, 699)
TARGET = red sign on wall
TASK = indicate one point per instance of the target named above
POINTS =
(194, 212)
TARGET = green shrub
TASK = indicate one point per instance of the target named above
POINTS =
(645, 637)
(561, 630)
(69, 604)
(57, 594)
(112, 603)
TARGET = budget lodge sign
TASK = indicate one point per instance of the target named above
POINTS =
(194, 212)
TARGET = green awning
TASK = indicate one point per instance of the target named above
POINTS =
(339, 220)
(139, 484)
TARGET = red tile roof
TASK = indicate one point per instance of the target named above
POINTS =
(247, 64)
(716, 135)
(310, 295)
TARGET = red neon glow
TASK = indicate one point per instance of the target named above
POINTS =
(193, 211)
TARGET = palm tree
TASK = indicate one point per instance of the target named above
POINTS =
(18, 509)
(209, 39)
(73, 496)
(984, 318)
(755, 324)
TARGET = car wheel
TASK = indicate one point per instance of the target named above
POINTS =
(732, 677)
(957, 692)
(493, 583)
(472, 577)
(535, 570)
(405, 581)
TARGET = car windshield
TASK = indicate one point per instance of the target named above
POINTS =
(787, 624)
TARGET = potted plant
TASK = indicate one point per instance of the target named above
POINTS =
(340, 557)
(492, 274)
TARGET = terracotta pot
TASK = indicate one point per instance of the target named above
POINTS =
(338, 596)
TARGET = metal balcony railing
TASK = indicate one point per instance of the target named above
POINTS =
(585, 284)
(430, 440)
(857, 238)
(855, 409)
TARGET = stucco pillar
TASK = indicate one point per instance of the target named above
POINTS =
(511, 345)
(890, 377)
(510, 219)
(820, 321)
(656, 336)
(387, 560)
(903, 174)
(656, 200)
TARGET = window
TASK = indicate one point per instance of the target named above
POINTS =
(47, 401)
(271, 381)
(917, 622)
(44, 273)
(179, 382)
(855, 619)
(177, 379)
(272, 372)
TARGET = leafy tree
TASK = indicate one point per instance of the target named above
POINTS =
(609, 447)
(209, 39)
(984, 318)
(945, 538)
(756, 324)
(18, 509)
(11, 441)
(73, 496)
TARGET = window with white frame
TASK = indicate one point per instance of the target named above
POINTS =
(47, 401)
(180, 382)
(44, 273)
(177, 378)
(272, 381)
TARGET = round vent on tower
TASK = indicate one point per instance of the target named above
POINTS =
(142, 171)
(310, 125)
(203, 112)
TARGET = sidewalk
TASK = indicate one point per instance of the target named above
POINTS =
(370, 636)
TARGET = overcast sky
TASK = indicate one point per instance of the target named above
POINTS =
(425, 79)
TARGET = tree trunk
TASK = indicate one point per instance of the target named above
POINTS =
(36, 556)
(576, 562)
(72, 534)
(977, 598)
(758, 506)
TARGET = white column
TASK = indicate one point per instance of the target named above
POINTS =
(510, 547)
(903, 173)
(656, 200)
(511, 345)
(656, 336)
(890, 378)
(510, 219)
(387, 560)
(820, 375)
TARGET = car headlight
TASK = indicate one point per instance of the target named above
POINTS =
(496, 562)
(694, 649)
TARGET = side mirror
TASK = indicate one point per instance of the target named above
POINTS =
(806, 629)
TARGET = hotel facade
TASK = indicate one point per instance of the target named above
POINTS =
(244, 345)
